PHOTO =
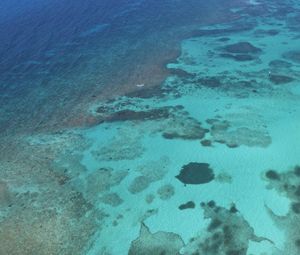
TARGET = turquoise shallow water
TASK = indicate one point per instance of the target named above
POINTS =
(202, 160)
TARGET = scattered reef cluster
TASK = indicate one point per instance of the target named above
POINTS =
(173, 122)
(287, 184)
(227, 233)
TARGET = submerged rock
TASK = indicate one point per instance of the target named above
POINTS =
(187, 205)
(196, 173)
(159, 243)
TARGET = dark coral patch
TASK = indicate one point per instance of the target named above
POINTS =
(232, 145)
(181, 73)
(206, 143)
(273, 175)
(211, 204)
(236, 252)
(242, 48)
(223, 39)
(211, 82)
(296, 207)
(196, 173)
(297, 192)
(215, 223)
(238, 57)
(297, 243)
(153, 114)
(297, 170)
(238, 27)
(218, 125)
(155, 91)
(268, 32)
(102, 109)
(198, 134)
(293, 55)
(280, 79)
(278, 63)
(187, 205)
(233, 209)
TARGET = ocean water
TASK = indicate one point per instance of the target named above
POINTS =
(149, 127)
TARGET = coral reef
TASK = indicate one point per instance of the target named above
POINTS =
(147, 214)
(149, 198)
(112, 199)
(223, 178)
(56, 222)
(139, 184)
(165, 192)
(158, 243)
(149, 172)
(234, 135)
(103, 179)
(123, 146)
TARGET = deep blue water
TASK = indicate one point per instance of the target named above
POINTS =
(54, 52)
